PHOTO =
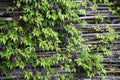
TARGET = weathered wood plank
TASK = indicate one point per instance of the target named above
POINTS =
(93, 17)
(102, 26)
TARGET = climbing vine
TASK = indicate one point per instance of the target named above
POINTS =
(48, 25)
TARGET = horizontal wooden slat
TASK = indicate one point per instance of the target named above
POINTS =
(89, 26)
(93, 17)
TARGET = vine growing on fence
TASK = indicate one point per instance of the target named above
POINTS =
(48, 25)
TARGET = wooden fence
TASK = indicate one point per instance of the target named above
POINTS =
(112, 64)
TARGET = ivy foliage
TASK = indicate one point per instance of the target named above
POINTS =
(43, 26)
